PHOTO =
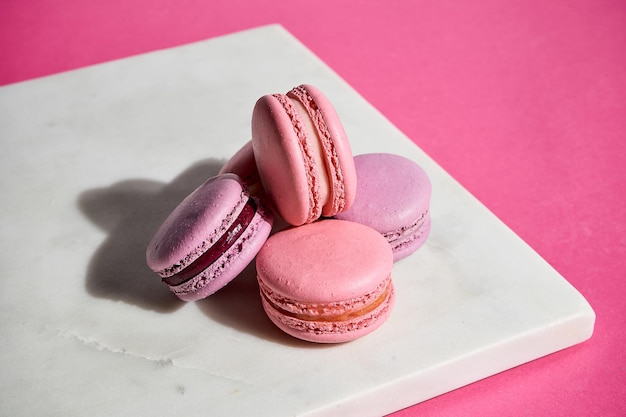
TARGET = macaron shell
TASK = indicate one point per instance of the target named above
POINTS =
(196, 223)
(242, 163)
(326, 261)
(334, 263)
(282, 166)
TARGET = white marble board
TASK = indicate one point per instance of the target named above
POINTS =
(93, 160)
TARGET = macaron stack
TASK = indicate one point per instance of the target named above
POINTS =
(326, 277)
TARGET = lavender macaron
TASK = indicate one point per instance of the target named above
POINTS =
(209, 238)
(393, 197)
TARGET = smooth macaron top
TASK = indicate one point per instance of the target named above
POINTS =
(325, 262)
(303, 155)
(198, 221)
(393, 192)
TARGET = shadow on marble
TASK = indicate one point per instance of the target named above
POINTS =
(130, 212)
(238, 305)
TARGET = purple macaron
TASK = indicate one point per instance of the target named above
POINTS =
(393, 197)
(209, 238)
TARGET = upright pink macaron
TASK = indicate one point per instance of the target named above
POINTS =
(303, 155)
(393, 197)
(327, 282)
(209, 238)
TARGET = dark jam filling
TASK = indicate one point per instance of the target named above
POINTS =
(219, 247)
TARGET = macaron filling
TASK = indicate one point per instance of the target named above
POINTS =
(332, 164)
(405, 235)
(346, 316)
(225, 241)
(312, 178)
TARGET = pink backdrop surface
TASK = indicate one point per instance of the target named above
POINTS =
(523, 102)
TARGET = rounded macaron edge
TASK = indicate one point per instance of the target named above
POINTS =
(180, 240)
(290, 188)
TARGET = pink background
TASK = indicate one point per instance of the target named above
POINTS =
(524, 102)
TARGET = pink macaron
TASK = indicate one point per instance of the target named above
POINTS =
(326, 282)
(303, 155)
(392, 197)
(243, 164)
(209, 238)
